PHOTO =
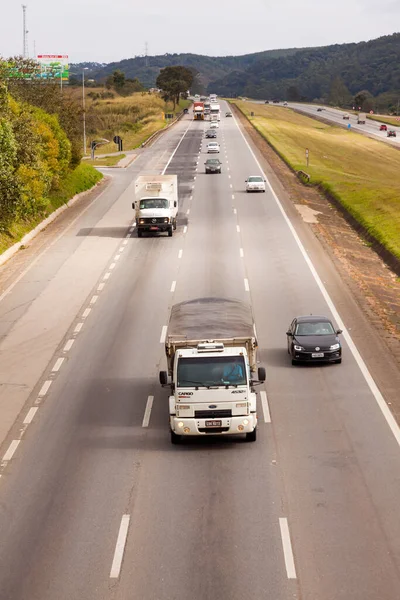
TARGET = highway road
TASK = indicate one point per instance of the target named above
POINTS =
(95, 503)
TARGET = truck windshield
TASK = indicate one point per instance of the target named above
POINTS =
(154, 203)
(210, 370)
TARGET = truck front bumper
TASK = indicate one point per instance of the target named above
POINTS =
(228, 426)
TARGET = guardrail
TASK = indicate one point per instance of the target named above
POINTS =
(160, 131)
(303, 176)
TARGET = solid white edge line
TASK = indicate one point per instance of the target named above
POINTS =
(68, 345)
(173, 154)
(391, 421)
(173, 286)
(265, 407)
(163, 334)
(246, 285)
(57, 365)
(241, 252)
(147, 412)
(287, 548)
(11, 450)
(30, 414)
(45, 388)
(120, 547)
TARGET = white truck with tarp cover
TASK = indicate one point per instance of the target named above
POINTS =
(211, 351)
(156, 203)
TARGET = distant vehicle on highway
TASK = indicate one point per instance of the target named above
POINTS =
(255, 183)
(266, 102)
(346, 116)
(156, 203)
(211, 133)
(391, 133)
(228, 114)
(313, 339)
(212, 147)
(214, 125)
(275, 101)
(361, 118)
(213, 165)
(319, 109)
(285, 104)
(383, 127)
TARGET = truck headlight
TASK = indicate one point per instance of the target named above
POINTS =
(245, 422)
(180, 424)
(335, 347)
(166, 220)
(141, 221)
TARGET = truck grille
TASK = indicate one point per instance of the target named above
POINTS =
(153, 220)
(212, 414)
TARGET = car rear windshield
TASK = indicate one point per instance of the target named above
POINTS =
(255, 179)
(314, 328)
(154, 203)
(210, 370)
(212, 161)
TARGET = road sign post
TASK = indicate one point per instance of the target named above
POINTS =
(307, 155)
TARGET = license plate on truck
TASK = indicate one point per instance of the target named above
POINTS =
(213, 423)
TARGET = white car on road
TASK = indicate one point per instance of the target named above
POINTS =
(255, 183)
(213, 147)
(214, 125)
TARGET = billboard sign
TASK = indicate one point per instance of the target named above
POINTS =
(53, 66)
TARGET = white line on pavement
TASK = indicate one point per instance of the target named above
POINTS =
(121, 249)
(233, 196)
(380, 400)
(163, 334)
(241, 252)
(238, 228)
(125, 242)
(86, 313)
(234, 211)
(287, 549)
(100, 287)
(112, 266)
(93, 300)
(131, 229)
(120, 547)
(173, 286)
(117, 257)
(147, 412)
(265, 407)
(58, 364)
(78, 327)
(11, 450)
(68, 345)
(128, 235)
(188, 211)
(230, 185)
(180, 253)
(106, 276)
(246, 285)
(30, 414)
(230, 176)
(45, 388)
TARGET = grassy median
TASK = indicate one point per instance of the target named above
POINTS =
(361, 173)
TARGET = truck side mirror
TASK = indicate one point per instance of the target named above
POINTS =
(163, 377)
(175, 203)
(133, 205)
(261, 374)
(289, 333)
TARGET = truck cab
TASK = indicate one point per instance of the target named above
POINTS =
(156, 205)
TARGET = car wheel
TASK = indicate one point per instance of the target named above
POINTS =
(174, 225)
(175, 438)
(338, 361)
(252, 435)
(170, 232)
(294, 361)
(139, 233)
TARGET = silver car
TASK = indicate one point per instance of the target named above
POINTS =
(212, 147)
(255, 183)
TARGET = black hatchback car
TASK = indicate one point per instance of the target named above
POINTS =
(313, 339)
(211, 133)
(213, 165)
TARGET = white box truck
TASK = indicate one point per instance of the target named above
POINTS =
(361, 118)
(215, 112)
(211, 357)
(156, 203)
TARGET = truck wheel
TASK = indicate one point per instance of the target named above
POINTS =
(139, 233)
(175, 225)
(170, 232)
(252, 436)
(175, 438)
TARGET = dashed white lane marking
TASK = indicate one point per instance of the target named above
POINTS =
(230, 176)
(163, 334)
(78, 328)
(246, 285)
(45, 388)
(100, 287)
(173, 286)
(30, 414)
(131, 229)
(228, 169)
(93, 300)
(238, 228)
(233, 196)
(234, 211)
(194, 178)
(106, 276)
(147, 412)
(287, 549)
(188, 211)
(117, 257)
(128, 235)
(57, 365)
(241, 253)
(180, 253)
(230, 185)
(125, 242)
(120, 547)
(86, 313)
(112, 266)
(185, 229)
(68, 345)
(11, 450)
(191, 198)
(121, 249)
(265, 407)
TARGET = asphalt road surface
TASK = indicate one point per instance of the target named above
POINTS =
(96, 504)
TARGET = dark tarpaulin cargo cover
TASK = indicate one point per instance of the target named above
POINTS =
(210, 319)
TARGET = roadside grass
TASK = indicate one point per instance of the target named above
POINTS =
(105, 161)
(361, 173)
(134, 118)
(385, 119)
(79, 180)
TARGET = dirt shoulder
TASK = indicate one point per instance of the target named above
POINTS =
(374, 287)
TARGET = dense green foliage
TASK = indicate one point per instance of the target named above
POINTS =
(174, 81)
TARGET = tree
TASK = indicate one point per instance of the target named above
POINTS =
(339, 95)
(293, 94)
(174, 81)
(364, 100)
(118, 79)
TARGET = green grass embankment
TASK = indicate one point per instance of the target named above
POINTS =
(79, 180)
(362, 174)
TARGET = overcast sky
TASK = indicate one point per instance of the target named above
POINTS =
(105, 31)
